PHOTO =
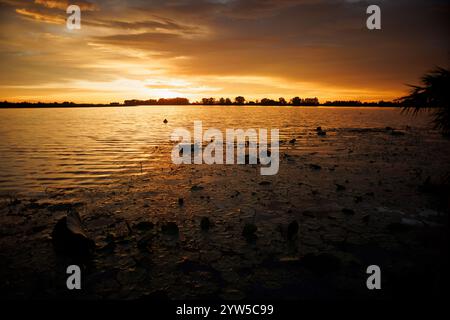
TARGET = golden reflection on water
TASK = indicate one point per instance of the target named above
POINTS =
(88, 147)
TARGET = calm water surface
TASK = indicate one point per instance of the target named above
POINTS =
(88, 147)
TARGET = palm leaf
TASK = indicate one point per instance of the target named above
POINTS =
(433, 94)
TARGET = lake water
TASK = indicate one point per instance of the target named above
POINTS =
(71, 148)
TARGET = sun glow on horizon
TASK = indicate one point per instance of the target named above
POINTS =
(162, 51)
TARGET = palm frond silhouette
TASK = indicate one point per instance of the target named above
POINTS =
(432, 94)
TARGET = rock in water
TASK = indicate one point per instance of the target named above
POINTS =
(292, 230)
(70, 239)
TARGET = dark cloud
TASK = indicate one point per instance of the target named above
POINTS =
(320, 40)
(63, 4)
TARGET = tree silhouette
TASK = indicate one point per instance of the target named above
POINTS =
(296, 101)
(433, 95)
(239, 100)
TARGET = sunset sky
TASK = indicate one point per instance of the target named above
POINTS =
(217, 48)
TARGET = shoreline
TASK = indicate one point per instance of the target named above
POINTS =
(353, 209)
(192, 104)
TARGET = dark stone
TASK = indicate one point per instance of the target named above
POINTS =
(165, 121)
(339, 187)
(292, 230)
(292, 141)
(315, 166)
(196, 188)
(70, 239)
(144, 226)
(264, 183)
(235, 194)
(170, 228)
(321, 133)
(205, 224)
(180, 202)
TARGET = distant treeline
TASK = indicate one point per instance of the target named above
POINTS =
(240, 100)
(356, 103)
(154, 102)
(296, 101)
(6, 104)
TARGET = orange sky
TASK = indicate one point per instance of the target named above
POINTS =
(217, 48)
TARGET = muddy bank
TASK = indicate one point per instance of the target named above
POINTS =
(340, 202)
